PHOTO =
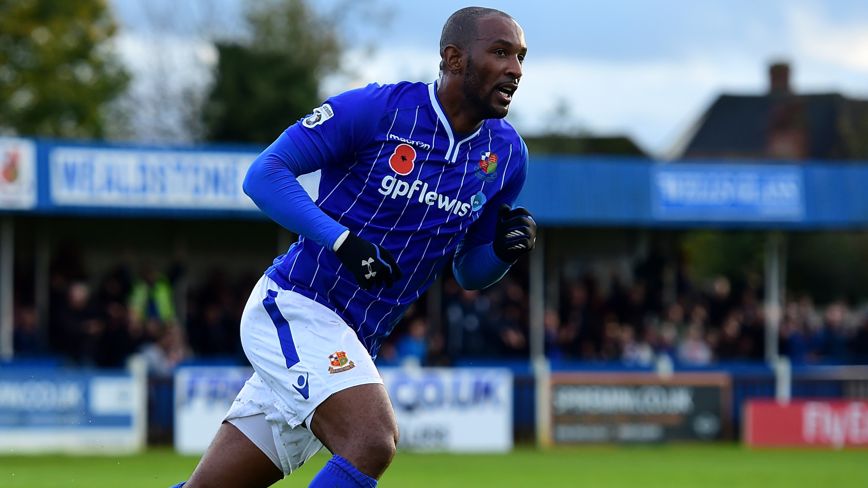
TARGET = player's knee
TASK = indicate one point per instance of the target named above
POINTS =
(381, 451)
(378, 450)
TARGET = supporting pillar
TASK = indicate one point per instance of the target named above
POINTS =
(7, 252)
(775, 252)
(538, 361)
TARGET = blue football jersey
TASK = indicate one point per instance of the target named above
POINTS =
(396, 174)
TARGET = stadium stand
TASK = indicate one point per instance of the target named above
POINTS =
(78, 300)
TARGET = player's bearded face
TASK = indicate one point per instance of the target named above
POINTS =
(482, 95)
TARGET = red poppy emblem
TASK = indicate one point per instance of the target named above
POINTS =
(402, 159)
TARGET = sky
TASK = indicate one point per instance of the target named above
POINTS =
(646, 69)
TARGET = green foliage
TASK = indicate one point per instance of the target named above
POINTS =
(57, 71)
(829, 265)
(737, 255)
(263, 86)
(826, 266)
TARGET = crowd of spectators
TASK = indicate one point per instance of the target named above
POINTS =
(635, 325)
(101, 320)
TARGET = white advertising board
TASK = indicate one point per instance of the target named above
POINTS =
(140, 178)
(103, 177)
(48, 410)
(452, 409)
(438, 409)
(202, 397)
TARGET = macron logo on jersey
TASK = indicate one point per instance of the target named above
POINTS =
(421, 145)
(394, 188)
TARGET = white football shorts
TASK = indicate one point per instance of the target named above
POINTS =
(301, 353)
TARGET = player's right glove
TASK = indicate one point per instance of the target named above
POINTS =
(370, 264)
(515, 234)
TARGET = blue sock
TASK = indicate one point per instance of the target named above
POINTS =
(179, 485)
(339, 473)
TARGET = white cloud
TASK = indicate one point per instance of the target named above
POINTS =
(656, 101)
(844, 45)
(171, 76)
(186, 58)
(652, 102)
(396, 64)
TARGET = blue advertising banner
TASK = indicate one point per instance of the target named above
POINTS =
(102, 179)
(708, 192)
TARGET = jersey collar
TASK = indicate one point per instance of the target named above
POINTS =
(452, 152)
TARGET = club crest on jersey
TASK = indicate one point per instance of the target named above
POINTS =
(487, 170)
(402, 159)
(339, 362)
(319, 115)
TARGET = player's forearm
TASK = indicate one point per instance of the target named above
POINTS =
(478, 267)
(272, 185)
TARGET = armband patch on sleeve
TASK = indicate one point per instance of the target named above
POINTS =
(319, 115)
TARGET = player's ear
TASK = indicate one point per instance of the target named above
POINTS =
(453, 59)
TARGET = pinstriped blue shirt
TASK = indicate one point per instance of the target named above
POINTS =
(395, 173)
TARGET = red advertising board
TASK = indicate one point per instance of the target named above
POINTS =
(830, 423)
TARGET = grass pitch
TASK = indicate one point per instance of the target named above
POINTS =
(669, 466)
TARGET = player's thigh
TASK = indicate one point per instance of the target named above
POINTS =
(232, 461)
(368, 428)
(306, 358)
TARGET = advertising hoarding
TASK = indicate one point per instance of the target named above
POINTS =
(452, 409)
(638, 407)
(66, 410)
(115, 177)
(438, 409)
(17, 174)
(202, 398)
(821, 423)
(725, 192)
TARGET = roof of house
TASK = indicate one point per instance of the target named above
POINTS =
(740, 125)
(779, 125)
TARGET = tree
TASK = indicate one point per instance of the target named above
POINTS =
(265, 84)
(170, 50)
(57, 70)
(563, 144)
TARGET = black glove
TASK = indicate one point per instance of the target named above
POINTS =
(515, 233)
(372, 265)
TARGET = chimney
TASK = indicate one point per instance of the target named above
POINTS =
(779, 79)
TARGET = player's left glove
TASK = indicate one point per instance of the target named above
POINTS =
(515, 234)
